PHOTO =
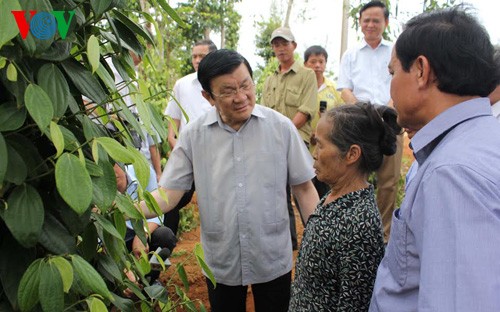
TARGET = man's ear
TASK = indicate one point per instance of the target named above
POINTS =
(208, 97)
(353, 154)
(425, 75)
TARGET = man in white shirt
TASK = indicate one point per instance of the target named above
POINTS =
(187, 94)
(364, 77)
(186, 105)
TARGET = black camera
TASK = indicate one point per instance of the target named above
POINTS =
(322, 106)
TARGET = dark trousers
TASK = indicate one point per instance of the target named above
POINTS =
(171, 218)
(272, 296)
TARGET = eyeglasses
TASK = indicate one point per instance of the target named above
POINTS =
(231, 93)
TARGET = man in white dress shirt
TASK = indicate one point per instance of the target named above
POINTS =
(364, 77)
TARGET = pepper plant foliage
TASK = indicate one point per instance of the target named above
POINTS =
(56, 163)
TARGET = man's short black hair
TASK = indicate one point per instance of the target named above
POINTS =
(375, 4)
(458, 48)
(218, 63)
(315, 50)
(211, 45)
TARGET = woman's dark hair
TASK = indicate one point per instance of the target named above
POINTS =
(372, 127)
(218, 63)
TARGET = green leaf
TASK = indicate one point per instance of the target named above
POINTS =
(53, 82)
(30, 156)
(50, 289)
(73, 182)
(11, 72)
(141, 167)
(200, 257)
(25, 214)
(91, 129)
(27, 295)
(129, 37)
(7, 22)
(55, 237)
(107, 264)
(96, 305)
(126, 206)
(3, 61)
(57, 138)
(152, 204)
(16, 167)
(100, 6)
(13, 266)
(116, 150)
(107, 226)
(104, 187)
(84, 81)
(182, 275)
(70, 141)
(39, 105)
(93, 169)
(173, 14)
(137, 29)
(93, 52)
(156, 292)
(89, 276)
(120, 225)
(88, 246)
(65, 271)
(12, 117)
(125, 305)
(106, 77)
(4, 160)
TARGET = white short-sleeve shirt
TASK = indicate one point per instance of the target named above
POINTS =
(187, 91)
(364, 70)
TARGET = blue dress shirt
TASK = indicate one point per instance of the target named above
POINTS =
(444, 249)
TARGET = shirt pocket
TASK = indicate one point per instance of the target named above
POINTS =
(397, 255)
(292, 97)
(274, 240)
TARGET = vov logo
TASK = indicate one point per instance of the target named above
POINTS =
(43, 25)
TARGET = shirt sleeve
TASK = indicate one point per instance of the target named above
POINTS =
(344, 81)
(457, 232)
(178, 173)
(309, 95)
(300, 162)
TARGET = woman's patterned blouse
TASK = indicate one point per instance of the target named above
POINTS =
(341, 249)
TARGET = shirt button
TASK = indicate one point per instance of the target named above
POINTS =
(240, 184)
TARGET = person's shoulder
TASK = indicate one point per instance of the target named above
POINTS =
(205, 119)
(189, 78)
(329, 83)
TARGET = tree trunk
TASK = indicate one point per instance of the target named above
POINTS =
(206, 33)
(288, 12)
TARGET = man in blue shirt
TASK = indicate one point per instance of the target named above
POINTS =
(444, 249)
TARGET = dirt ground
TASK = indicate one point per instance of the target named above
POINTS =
(184, 254)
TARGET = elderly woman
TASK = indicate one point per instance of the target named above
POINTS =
(343, 242)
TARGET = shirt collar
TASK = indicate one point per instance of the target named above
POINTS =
(214, 117)
(424, 140)
(295, 68)
(364, 44)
